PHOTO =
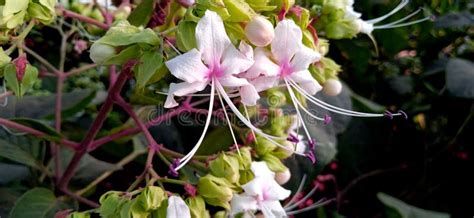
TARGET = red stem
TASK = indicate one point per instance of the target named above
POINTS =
(57, 123)
(96, 125)
(85, 19)
(34, 132)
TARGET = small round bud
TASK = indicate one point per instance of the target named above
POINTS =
(186, 3)
(259, 31)
(283, 177)
(99, 53)
(332, 87)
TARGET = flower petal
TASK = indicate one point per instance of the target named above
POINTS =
(180, 89)
(234, 62)
(255, 187)
(242, 203)
(211, 38)
(249, 95)
(303, 58)
(246, 49)
(260, 169)
(264, 82)
(272, 209)
(262, 66)
(232, 81)
(177, 208)
(275, 191)
(188, 67)
(287, 40)
(306, 81)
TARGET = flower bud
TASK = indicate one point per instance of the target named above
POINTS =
(122, 12)
(283, 177)
(186, 3)
(151, 198)
(245, 158)
(332, 87)
(246, 176)
(259, 31)
(197, 206)
(225, 166)
(100, 53)
(215, 191)
(274, 163)
(263, 146)
(283, 153)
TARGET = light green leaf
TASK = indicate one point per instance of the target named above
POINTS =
(132, 52)
(4, 58)
(11, 80)
(125, 34)
(150, 62)
(29, 79)
(36, 203)
(239, 11)
(408, 211)
(41, 13)
(49, 4)
(185, 36)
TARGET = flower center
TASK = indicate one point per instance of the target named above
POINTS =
(215, 71)
(285, 69)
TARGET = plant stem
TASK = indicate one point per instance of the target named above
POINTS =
(41, 59)
(80, 199)
(97, 124)
(67, 13)
(81, 69)
(34, 132)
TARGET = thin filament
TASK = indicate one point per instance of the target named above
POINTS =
(395, 10)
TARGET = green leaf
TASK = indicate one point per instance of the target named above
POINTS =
(37, 202)
(150, 63)
(11, 80)
(125, 34)
(239, 11)
(132, 52)
(218, 140)
(4, 58)
(29, 79)
(185, 36)
(407, 211)
(460, 78)
(141, 15)
(49, 4)
(17, 154)
(40, 13)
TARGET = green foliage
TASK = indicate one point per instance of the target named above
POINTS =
(37, 202)
(142, 14)
(404, 210)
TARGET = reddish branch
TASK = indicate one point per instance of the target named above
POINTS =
(67, 13)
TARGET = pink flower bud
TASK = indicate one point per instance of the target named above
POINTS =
(283, 177)
(332, 87)
(80, 46)
(186, 3)
(259, 31)
(20, 65)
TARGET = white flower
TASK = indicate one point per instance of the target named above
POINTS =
(215, 62)
(177, 208)
(262, 193)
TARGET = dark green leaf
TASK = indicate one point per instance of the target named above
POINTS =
(16, 153)
(218, 140)
(132, 52)
(12, 172)
(455, 20)
(36, 203)
(407, 211)
(185, 35)
(142, 14)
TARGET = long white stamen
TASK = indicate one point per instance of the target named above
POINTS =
(300, 187)
(395, 10)
(294, 99)
(404, 24)
(232, 94)
(401, 20)
(248, 123)
(333, 108)
(229, 123)
(189, 156)
(320, 203)
(292, 206)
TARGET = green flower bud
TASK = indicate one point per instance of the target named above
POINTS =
(281, 153)
(225, 166)
(151, 198)
(323, 46)
(215, 191)
(274, 163)
(79, 215)
(246, 176)
(245, 158)
(197, 206)
(220, 214)
(100, 53)
(263, 146)
(122, 12)
(110, 203)
(276, 98)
